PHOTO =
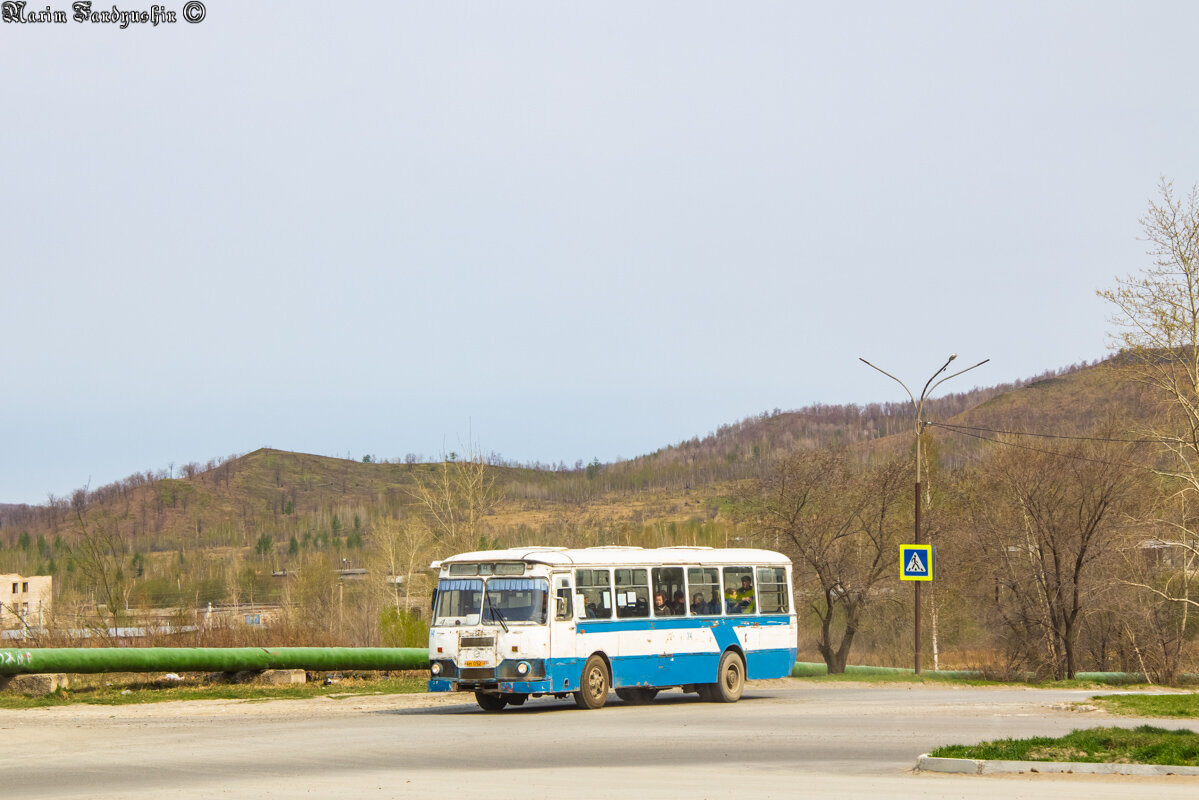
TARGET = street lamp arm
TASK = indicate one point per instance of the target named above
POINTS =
(892, 377)
(954, 375)
(924, 393)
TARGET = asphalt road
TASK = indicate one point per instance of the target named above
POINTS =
(785, 739)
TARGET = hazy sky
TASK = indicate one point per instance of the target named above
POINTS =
(569, 230)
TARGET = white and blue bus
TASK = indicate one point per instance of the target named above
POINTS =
(519, 623)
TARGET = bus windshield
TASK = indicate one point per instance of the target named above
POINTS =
(458, 602)
(512, 600)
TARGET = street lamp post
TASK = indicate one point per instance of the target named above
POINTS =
(918, 405)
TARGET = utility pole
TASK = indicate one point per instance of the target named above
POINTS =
(918, 405)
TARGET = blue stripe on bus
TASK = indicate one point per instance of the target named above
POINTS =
(664, 670)
(675, 669)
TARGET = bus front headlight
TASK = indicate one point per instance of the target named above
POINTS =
(435, 668)
(522, 668)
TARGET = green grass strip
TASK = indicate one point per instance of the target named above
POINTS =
(1180, 706)
(1143, 745)
(809, 669)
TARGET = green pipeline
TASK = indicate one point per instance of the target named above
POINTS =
(78, 660)
(807, 669)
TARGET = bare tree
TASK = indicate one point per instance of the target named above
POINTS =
(402, 550)
(1042, 522)
(841, 524)
(1160, 563)
(454, 497)
(1157, 330)
(97, 551)
(313, 598)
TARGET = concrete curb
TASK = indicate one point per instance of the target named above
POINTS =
(974, 766)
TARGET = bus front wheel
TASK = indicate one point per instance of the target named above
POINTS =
(593, 688)
(730, 680)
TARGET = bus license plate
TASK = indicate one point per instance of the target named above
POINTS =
(476, 663)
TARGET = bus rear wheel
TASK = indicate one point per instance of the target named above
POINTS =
(593, 687)
(637, 695)
(730, 680)
(490, 702)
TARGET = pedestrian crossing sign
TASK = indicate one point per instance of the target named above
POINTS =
(916, 562)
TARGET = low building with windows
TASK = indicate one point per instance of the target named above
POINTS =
(25, 600)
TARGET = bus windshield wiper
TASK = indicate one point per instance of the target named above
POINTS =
(495, 612)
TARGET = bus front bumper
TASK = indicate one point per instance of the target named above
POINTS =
(512, 687)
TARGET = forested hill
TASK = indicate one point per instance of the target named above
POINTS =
(233, 501)
(1055, 401)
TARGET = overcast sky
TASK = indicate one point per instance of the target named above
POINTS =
(561, 230)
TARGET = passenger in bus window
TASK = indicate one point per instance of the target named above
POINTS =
(744, 597)
(660, 607)
(714, 603)
(679, 606)
(698, 605)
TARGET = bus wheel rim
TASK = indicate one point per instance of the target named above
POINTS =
(595, 682)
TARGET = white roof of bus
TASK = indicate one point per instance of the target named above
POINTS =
(624, 555)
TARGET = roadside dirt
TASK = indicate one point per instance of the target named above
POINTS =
(79, 714)
(83, 714)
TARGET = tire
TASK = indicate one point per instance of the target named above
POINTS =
(637, 695)
(516, 699)
(593, 685)
(490, 702)
(730, 679)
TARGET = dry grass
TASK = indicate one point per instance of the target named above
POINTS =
(125, 689)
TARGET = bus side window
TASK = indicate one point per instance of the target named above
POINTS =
(632, 592)
(669, 581)
(596, 587)
(772, 590)
(704, 585)
(739, 595)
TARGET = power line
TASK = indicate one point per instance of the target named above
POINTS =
(965, 428)
(1046, 452)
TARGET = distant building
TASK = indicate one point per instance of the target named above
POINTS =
(25, 600)
(255, 615)
(1171, 554)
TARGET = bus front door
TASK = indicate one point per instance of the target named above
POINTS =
(563, 665)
